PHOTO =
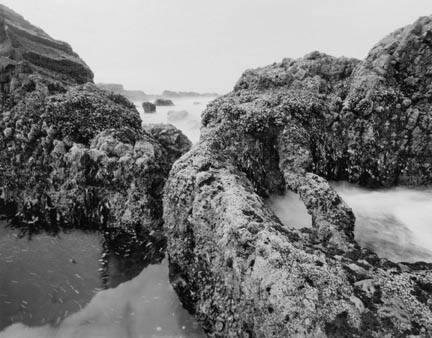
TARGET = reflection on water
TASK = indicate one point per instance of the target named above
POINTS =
(56, 282)
(394, 223)
(189, 124)
(146, 306)
(44, 279)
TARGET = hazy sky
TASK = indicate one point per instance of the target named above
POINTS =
(205, 45)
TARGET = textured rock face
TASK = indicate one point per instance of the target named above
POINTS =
(81, 159)
(73, 155)
(389, 103)
(173, 140)
(21, 41)
(293, 126)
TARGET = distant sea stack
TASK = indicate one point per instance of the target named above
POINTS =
(149, 107)
(132, 95)
(163, 102)
(71, 154)
(295, 126)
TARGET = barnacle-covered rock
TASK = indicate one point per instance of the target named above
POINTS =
(294, 126)
(387, 113)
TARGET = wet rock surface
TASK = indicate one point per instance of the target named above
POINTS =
(293, 126)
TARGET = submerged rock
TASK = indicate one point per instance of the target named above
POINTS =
(73, 155)
(163, 102)
(293, 126)
(149, 107)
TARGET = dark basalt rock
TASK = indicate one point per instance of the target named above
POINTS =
(149, 107)
(293, 126)
(163, 102)
(73, 155)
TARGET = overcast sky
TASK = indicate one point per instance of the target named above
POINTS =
(205, 45)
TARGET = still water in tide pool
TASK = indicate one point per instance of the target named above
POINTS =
(395, 223)
(59, 286)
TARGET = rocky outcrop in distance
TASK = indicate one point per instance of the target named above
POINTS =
(149, 107)
(294, 126)
(163, 102)
(139, 95)
(73, 155)
(175, 94)
(132, 95)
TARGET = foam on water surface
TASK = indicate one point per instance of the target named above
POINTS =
(395, 223)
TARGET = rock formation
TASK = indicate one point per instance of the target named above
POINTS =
(71, 154)
(293, 126)
(132, 95)
(387, 110)
(149, 107)
(23, 44)
(163, 102)
(175, 94)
